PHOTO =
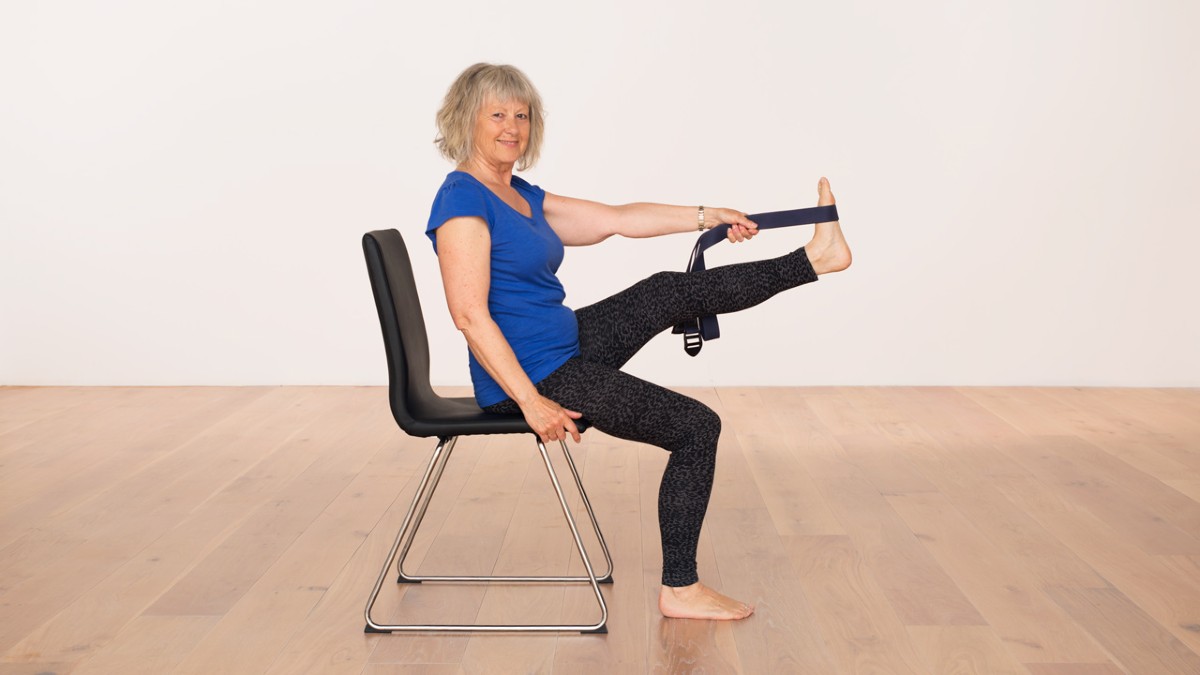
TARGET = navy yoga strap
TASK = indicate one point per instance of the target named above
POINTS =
(696, 331)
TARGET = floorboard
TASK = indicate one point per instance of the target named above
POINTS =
(1048, 531)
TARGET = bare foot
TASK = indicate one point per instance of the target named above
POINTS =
(828, 251)
(700, 602)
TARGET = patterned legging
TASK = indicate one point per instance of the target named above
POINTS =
(617, 403)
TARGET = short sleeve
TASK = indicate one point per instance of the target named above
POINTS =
(455, 199)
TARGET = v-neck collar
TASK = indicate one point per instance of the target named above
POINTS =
(501, 199)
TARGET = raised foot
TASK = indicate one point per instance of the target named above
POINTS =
(700, 602)
(828, 250)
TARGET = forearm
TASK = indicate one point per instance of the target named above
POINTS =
(487, 342)
(644, 219)
(579, 222)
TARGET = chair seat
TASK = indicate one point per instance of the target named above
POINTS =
(461, 416)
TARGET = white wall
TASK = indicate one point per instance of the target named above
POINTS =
(183, 186)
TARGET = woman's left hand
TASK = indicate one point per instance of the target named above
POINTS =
(741, 228)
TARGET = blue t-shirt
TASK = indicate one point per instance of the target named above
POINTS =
(525, 297)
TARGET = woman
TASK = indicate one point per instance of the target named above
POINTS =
(500, 241)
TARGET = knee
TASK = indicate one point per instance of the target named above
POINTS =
(666, 276)
(696, 444)
(660, 281)
(705, 423)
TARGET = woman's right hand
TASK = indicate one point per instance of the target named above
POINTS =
(549, 420)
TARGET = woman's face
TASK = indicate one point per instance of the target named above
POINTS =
(501, 131)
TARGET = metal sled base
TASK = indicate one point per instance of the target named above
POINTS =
(408, 530)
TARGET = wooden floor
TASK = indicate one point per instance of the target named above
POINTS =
(880, 530)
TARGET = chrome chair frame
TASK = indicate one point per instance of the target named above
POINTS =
(408, 531)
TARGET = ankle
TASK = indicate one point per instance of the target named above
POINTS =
(816, 258)
(827, 259)
(683, 591)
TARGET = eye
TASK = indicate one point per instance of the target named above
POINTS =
(523, 116)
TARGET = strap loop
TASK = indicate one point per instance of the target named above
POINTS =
(696, 331)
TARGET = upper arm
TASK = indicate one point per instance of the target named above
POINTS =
(579, 222)
(464, 247)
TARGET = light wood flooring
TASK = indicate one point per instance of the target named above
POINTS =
(878, 530)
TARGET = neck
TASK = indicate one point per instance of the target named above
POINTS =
(487, 172)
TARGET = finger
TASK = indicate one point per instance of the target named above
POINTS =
(573, 414)
(748, 224)
(570, 426)
(550, 432)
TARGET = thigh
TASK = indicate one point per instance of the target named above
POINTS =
(613, 330)
(625, 406)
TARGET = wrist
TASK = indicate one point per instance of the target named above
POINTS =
(524, 398)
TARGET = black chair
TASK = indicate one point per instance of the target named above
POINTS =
(421, 412)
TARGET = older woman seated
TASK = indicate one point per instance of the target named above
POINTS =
(499, 242)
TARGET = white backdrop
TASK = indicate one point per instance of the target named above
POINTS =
(183, 186)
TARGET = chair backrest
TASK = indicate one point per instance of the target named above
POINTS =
(404, 336)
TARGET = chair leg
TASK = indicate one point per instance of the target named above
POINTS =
(423, 499)
(419, 497)
(587, 563)
(607, 578)
(421, 503)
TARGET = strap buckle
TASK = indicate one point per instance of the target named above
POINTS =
(692, 339)
(692, 342)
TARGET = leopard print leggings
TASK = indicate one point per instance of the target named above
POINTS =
(617, 403)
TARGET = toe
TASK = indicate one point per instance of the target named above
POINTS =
(824, 193)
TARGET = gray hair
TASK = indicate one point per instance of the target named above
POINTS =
(456, 118)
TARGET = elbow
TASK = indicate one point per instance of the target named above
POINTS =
(622, 223)
(461, 321)
(598, 237)
(465, 321)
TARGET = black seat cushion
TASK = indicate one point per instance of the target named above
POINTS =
(462, 417)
